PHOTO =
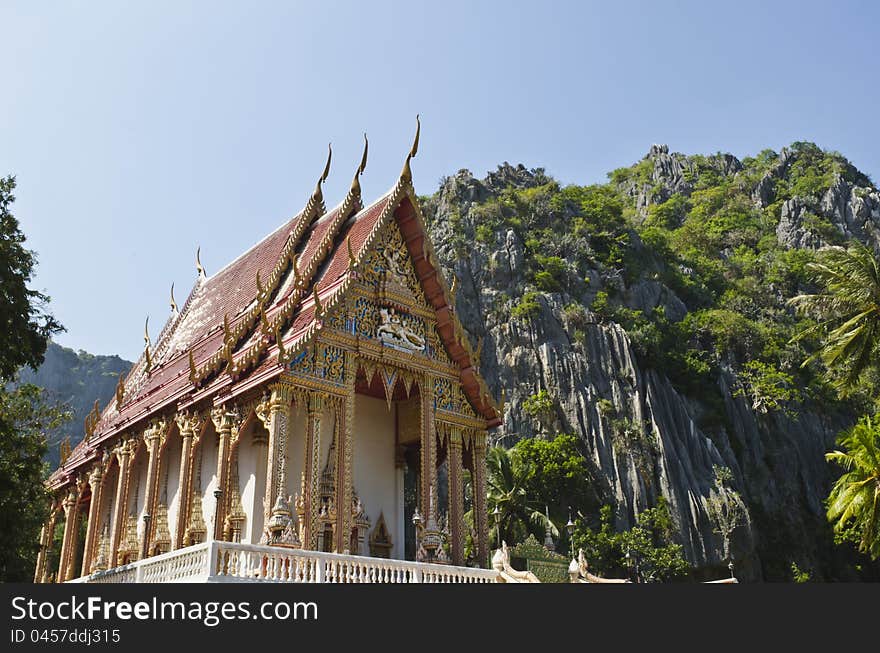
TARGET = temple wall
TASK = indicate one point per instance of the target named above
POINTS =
(171, 465)
(138, 496)
(210, 445)
(108, 500)
(374, 473)
(296, 449)
(252, 460)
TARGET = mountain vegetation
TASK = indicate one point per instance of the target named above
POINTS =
(74, 380)
(652, 318)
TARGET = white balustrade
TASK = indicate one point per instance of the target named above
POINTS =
(235, 562)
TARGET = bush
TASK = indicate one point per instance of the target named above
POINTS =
(527, 307)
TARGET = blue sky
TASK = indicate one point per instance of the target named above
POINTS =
(138, 132)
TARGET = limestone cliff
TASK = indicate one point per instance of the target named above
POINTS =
(74, 379)
(646, 435)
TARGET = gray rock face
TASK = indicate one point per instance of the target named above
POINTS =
(74, 380)
(844, 211)
(643, 437)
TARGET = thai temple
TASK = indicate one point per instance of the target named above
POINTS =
(313, 412)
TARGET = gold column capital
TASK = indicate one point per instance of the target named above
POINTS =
(156, 431)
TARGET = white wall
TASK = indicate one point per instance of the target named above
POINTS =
(138, 490)
(374, 473)
(296, 450)
(171, 475)
(252, 481)
(209, 446)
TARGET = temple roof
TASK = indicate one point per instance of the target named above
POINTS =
(236, 327)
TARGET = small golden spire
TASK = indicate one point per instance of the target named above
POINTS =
(193, 376)
(406, 173)
(120, 394)
(173, 303)
(296, 279)
(264, 322)
(199, 267)
(226, 334)
(351, 258)
(453, 289)
(259, 286)
(318, 309)
(282, 353)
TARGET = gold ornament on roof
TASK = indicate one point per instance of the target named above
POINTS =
(120, 393)
(193, 374)
(259, 286)
(319, 310)
(199, 267)
(174, 309)
(355, 183)
(406, 173)
(147, 357)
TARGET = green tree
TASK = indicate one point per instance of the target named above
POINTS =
(848, 309)
(556, 477)
(25, 417)
(24, 414)
(653, 556)
(854, 501)
(26, 324)
(507, 496)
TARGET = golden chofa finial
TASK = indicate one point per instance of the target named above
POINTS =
(174, 310)
(318, 195)
(355, 183)
(406, 173)
(199, 267)
(147, 357)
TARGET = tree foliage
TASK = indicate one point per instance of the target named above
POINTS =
(854, 501)
(653, 556)
(848, 309)
(24, 418)
(26, 324)
(24, 414)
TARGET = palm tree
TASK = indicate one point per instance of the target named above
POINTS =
(506, 493)
(854, 501)
(848, 308)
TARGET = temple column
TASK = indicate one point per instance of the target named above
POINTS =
(274, 412)
(312, 470)
(428, 446)
(69, 507)
(344, 483)
(71, 532)
(191, 426)
(96, 484)
(456, 496)
(47, 536)
(223, 421)
(123, 456)
(154, 437)
(479, 487)
(186, 424)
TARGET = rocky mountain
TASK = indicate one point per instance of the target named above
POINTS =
(74, 379)
(648, 316)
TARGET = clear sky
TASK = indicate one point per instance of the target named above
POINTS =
(139, 131)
